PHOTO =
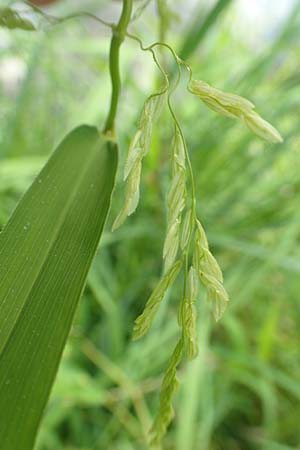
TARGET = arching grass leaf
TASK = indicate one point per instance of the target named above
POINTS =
(11, 19)
(46, 250)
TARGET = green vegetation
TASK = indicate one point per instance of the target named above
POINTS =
(242, 390)
(46, 251)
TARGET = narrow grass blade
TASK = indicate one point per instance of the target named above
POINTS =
(11, 19)
(45, 253)
(200, 27)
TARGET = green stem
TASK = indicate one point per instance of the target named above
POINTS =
(119, 33)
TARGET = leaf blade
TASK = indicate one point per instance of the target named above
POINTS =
(41, 319)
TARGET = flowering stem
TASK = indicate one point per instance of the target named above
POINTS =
(119, 33)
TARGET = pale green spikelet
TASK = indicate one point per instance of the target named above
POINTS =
(201, 235)
(155, 104)
(171, 245)
(135, 152)
(217, 107)
(178, 151)
(119, 220)
(262, 128)
(230, 105)
(177, 189)
(146, 125)
(169, 386)
(187, 229)
(151, 112)
(234, 106)
(192, 284)
(187, 315)
(144, 321)
(176, 196)
(217, 295)
(208, 264)
(176, 201)
(192, 290)
(209, 273)
(132, 195)
(132, 192)
(189, 329)
(138, 148)
(146, 135)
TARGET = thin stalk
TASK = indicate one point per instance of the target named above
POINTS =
(119, 33)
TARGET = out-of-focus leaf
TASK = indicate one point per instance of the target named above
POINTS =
(46, 250)
(200, 27)
(10, 18)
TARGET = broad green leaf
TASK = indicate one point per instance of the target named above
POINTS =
(10, 18)
(46, 250)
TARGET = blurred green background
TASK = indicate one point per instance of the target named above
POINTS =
(243, 391)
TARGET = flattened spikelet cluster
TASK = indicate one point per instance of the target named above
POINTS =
(187, 315)
(144, 321)
(176, 200)
(169, 386)
(209, 272)
(138, 148)
(235, 107)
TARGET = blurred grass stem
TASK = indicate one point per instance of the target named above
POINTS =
(119, 33)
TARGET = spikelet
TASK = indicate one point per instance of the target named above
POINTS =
(208, 264)
(187, 229)
(187, 316)
(138, 148)
(132, 195)
(235, 107)
(178, 156)
(262, 128)
(209, 273)
(176, 200)
(217, 294)
(144, 321)
(171, 244)
(135, 152)
(169, 386)
(176, 195)
(192, 285)
(201, 235)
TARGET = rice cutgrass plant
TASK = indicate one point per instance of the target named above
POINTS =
(186, 246)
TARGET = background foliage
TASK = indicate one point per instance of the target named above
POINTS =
(242, 392)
